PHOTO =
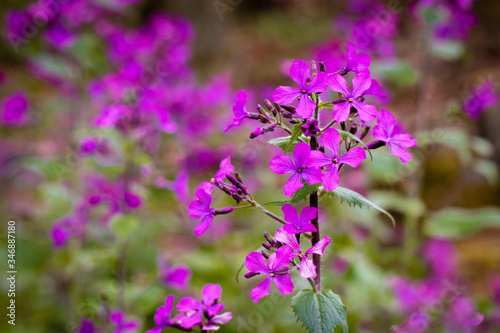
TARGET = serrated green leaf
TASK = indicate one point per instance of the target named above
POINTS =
(354, 198)
(124, 225)
(321, 312)
(461, 222)
(295, 134)
(345, 134)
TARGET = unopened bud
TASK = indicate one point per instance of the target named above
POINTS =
(222, 211)
(267, 246)
(250, 275)
(365, 132)
(354, 128)
(269, 238)
(322, 67)
(314, 68)
(375, 144)
(270, 107)
(288, 108)
(261, 110)
(265, 254)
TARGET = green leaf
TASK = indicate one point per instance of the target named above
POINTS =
(280, 142)
(124, 225)
(321, 312)
(354, 198)
(298, 196)
(295, 134)
(461, 222)
(345, 134)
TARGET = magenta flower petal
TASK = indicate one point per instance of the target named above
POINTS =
(319, 159)
(307, 268)
(404, 140)
(256, 263)
(15, 109)
(339, 84)
(214, 309)
(318, 84)
(400, 152)
(288, 239)
(312, 175)
(319, 247)
(205, 223)
(284, 284)
(331, 178)
(305, 106)
(307, 214)
(225, 168)
(360, 83)
(366, 112)
(331, 140)
(341, 111)
(261, 290)
(188, 304)
(284, 95)
(279, 259)
(239, 110)
(353, 157)
(193, 320)
(282, 164)
(211, 293)
(300, 72)
(222, 318)
(301, 154)
(293, 184)
(290, 214)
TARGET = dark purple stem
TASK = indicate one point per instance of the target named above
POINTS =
(313, 202)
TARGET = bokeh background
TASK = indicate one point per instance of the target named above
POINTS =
(77, 258)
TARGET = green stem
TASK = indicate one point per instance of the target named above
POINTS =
(265, 211)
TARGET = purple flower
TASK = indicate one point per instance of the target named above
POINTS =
(87, 326)
(200, 208)
(15, 109)
(276, 268)
(195, 310)
(310, 127)
(300, 168)
(176, 276)
(342, 108)
(88, 146)
(239, 110)
(331, 140)
(59, 36)
(162, 315)
(225, 168)
(462, 315)
(299, 224)
(307, 267)
(179, 185)
(356, 62)
(300, 73)
(481, 98)
(121, 324)
(386, 131)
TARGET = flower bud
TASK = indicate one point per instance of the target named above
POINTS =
(261, 110)
(354, 128)
(288, 108)
(314, 68)
(250, 275)
(375, 144)
(265, 254)
(267, 246)
(269, 238)
(222, 211)
(322, 67)
(365, 132)
(270, 107)
(238, 184)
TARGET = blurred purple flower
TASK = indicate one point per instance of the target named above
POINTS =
(481, 98)
(15, 109)
(239, 110)
(176, 276)
(121, 323)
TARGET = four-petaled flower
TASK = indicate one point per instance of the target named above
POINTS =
(200, 208)
(300, 73)
(331, 140)
(195, 311)
(121, 324)
(386, 131)
(225, 168)
(299, 224)
(307, 267)
(239, 110)
(356, 62)
(300, 168)
(276, 269)
(342, 108)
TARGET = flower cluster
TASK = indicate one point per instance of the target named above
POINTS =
(205, 313)
(419, 299)
(284, 250)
